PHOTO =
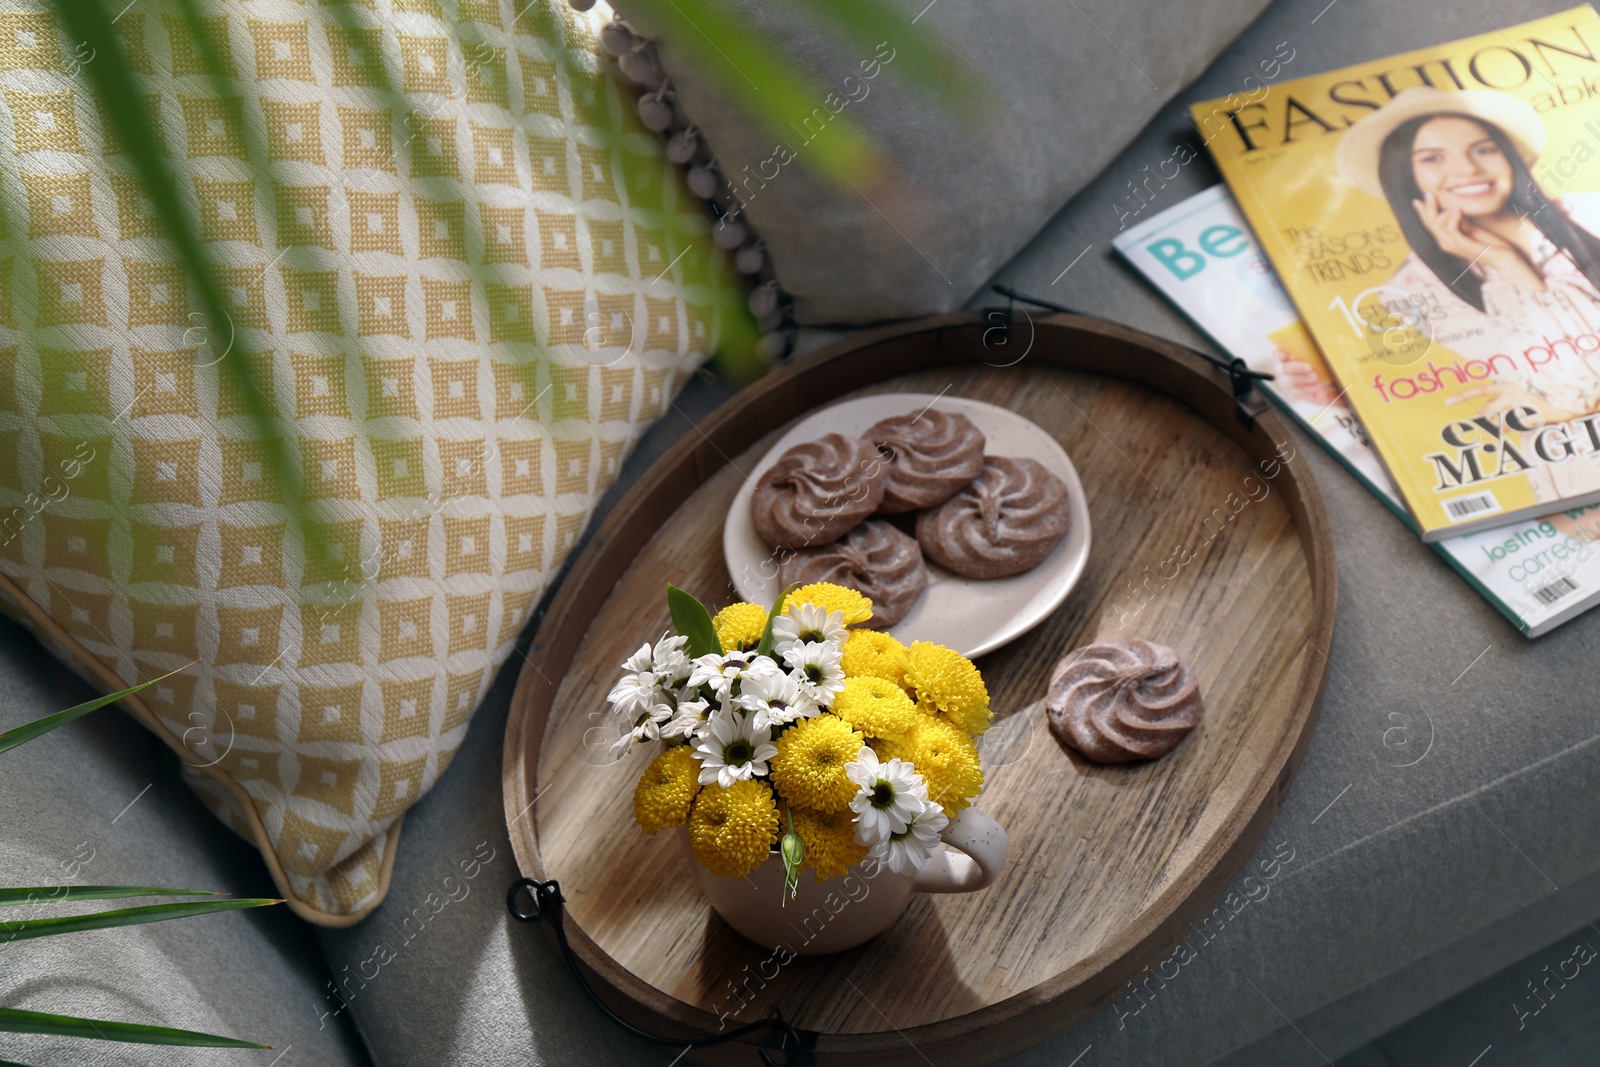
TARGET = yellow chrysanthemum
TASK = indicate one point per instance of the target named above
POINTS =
(948, 684)
(875, 706)
(872, 654)
(945, 757)
(829, 838)
(809, 767)
(666, 789)
(733, 829)
(852, 605)
(739, 626)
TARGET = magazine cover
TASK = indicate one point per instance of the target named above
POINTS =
(1200, 254)
(1434, 216)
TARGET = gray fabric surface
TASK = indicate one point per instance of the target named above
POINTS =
(100, 801)
(1554, 1024)
(1448, 788)
(1068, 85)
(1452, 972)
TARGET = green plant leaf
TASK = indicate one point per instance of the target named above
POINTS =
(764, 648)
(16, 1021)
(783, 97)
(113, 79)
(18, 735)
(693, 621)
(205, 48)
(56, 894)
(27, 929)
(916, 54)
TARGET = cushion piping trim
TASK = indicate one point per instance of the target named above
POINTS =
(108, 681)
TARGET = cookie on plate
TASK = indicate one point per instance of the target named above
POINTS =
(931, 454)
(875, 559)
(818, 490)
(1006, 520)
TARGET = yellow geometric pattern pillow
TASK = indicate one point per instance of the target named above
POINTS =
(466, 298)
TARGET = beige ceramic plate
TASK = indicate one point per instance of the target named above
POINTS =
(969, 614)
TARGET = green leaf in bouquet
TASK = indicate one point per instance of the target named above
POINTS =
(56, 894)
(764, 648)
(16, 1021)
(18, 735)
(26, 929)
(693, 621)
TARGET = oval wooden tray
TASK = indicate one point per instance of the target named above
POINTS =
(1108, 864)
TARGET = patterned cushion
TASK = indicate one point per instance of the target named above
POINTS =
(466, 298)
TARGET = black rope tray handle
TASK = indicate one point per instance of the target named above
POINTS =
(545, 902)
(1241, 379)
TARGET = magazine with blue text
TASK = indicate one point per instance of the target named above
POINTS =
(1202, 255)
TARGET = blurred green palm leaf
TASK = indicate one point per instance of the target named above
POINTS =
(773, 89)
(757, 73)
(748, 66)
(918, 56)
(92, 22)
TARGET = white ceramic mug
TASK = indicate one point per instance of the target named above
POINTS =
(841, 913)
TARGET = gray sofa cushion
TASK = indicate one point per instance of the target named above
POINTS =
(100, 801)
(1069, 84)
(1394, 865)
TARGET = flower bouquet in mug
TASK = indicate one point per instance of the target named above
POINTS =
(789, 735)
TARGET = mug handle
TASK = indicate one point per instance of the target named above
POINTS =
(982, 846)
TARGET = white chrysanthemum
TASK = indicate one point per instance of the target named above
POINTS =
(719, 670)
(688, 720)
(670, 663)
(801, 623)
(816, 667)
(774, 698)
(639, 687)
(648, 725)
(891, 795)
(759, 668)
(909, 849)
(733, 747)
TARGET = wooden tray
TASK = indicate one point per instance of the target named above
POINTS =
(1108, 864)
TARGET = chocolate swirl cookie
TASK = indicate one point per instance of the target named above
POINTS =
(1123, 699)
(818, 490)
(875, 559)
(1004, 522)
(931, 455)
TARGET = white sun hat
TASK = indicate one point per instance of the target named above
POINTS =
(1362, 144)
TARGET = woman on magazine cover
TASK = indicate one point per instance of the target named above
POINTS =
(1496, 265)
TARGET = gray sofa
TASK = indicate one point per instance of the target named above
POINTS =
(1445, 823)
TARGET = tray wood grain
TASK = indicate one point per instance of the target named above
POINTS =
(1107, 863)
